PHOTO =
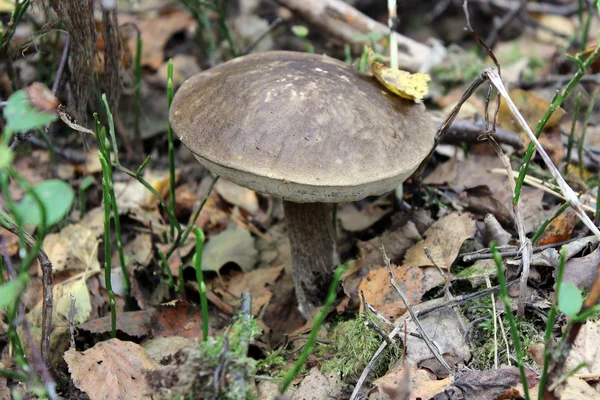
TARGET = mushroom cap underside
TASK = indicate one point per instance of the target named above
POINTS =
(303, 127)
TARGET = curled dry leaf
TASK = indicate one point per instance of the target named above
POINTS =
(444, 239)
(111, 370)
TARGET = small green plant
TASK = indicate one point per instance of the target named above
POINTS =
(302, 32)
(200, 278)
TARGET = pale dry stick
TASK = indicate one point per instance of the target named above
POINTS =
(569, 194)
(369, 307)
(488, 284)
(71, 320)
(393, 24)
(505, 338)
(526, 246)
(428, 342)
(542, 185)
(380, 332)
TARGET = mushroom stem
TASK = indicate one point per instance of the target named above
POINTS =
(313, 252)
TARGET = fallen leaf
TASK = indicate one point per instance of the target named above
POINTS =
(532, 107)
(4, 390)
(550, 26)
(156, 31)
(414, 282)
(578, 389)
(585, 349)
(259, 282)
(138, 251)
(355, 220)
(162, 349)
(133, 323)
(498, 383)
(443, 240)
(315, 385)
(75, 247)
(582, 270)
(445, 330)
(422, 384)
(111, 370)
(83, 307)
(395, 242)
(235, 245)
(178, 318)
(560, 229)
(237, 195)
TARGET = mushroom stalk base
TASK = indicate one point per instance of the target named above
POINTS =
(314, 253)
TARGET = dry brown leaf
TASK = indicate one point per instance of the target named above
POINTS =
(178, 318)
(578, 389)
(443, 239)
(237, 195)
(586, 349)
(560, 229)
(582, 270)
(259, 282)
(355, 220)
(422, 383)
(414, 282)
(138, 251)
(111, 370)
(161, 350)
(133, 323)
(532, 107)
(75, 247)
(318, 386)
(156, 31)
(396, 243)
(501, 383)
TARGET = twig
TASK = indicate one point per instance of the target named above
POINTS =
(61, 65)
(469, 131)
(272, 26)
(47, 283)
(347, 23)
(507, 254)
(380, 331)
(71, 320)
(369, 307)
(426, 338)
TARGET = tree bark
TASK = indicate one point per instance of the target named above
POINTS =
(314, 254)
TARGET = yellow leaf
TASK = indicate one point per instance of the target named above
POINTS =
(7, 6)
(404, 84)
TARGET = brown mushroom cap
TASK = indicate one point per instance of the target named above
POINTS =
(303, 127)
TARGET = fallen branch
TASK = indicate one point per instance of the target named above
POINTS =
(348, 24)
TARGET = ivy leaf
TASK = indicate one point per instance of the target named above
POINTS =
(570, 299)
(56, 196)
(21, 116)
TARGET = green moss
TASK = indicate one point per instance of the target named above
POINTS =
(353, 347)
(482, 335)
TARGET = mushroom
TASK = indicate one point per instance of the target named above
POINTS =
(308, 129)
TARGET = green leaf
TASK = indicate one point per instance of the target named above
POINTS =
(6, 157)
(234, 244)
(570, 299)
(300, 30)
(11, 290)
(56, 196)
(21, 116)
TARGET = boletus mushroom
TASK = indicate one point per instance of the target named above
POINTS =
(308, 129)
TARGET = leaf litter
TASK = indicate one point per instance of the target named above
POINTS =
(247, 251)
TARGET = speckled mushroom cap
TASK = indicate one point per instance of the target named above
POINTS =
(303, 127)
